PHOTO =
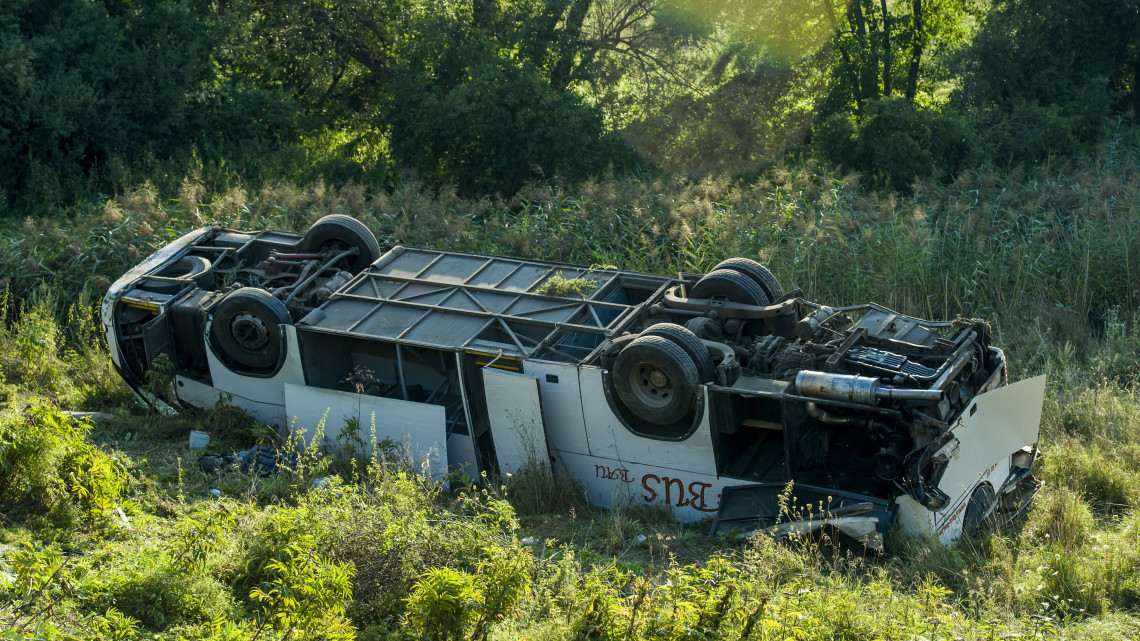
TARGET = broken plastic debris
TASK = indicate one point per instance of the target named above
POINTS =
(95, 416)
(199, 440)
(123, 517)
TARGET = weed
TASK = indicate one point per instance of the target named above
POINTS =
(441, 605)
(534, 489)
(196, 538)
(47, 464)
(304, 595)
(557, 285)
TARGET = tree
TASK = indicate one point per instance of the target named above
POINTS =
(458, 110)
(88, 84)
(1082, 57)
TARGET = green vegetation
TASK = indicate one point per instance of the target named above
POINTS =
(484, 96)
(941, 157)
(379, 553)
(579, 287)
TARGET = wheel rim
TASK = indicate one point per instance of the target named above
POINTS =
(249, 331)
(651, 385)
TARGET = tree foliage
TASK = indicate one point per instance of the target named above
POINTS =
(486, 95)
(897, 141)
(482, 108)
(96, 87)
(1044, 75)
(90, 83)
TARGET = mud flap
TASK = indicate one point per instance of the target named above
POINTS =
(762, 508)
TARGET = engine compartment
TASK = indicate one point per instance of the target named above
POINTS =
(859, 398)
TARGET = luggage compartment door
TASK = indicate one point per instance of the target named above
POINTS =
(416, 431)
(516, 420)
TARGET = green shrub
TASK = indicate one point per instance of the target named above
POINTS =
(198, 537)
(448, 604)
(1059, 517)
(897, 142)
(101, 93)
(58, 351)
(46, 464)
(91, 86)
(1092, 471)
(1046, 73)
(30, 348)
(276, 528)
(303, 594)
(462, 113)
(441, 605)
(160, 594)
(391, 542)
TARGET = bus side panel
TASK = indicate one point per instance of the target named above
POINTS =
(262, 390)
(414, 432)
(199, 394)
(561, 405)
(609, 438)
(608, 482)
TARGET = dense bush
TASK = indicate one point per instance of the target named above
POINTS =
(1044, 75)
(897, 142)
(47, 465)
(103, 90)
(461, 112)
(92, 84)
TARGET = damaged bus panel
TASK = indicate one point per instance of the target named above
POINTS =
(713, 393)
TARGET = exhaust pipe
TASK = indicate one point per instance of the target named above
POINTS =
(858, 389)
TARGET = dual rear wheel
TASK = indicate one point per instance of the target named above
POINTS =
(656, 375)
(656, 379)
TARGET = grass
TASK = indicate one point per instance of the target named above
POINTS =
(1048, 255)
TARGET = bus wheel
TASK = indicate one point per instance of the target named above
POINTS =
(656, 379)
(336, 233)
(731, 285)
(757, 272)
(246, 328)
(689, 342)
(185, 267)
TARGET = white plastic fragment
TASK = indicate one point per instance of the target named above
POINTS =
(199, 440)
(95, 416)
(122, 517)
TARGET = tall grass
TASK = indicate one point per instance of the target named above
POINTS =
(1058, 241)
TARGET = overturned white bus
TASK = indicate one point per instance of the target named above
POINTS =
(708, 393)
